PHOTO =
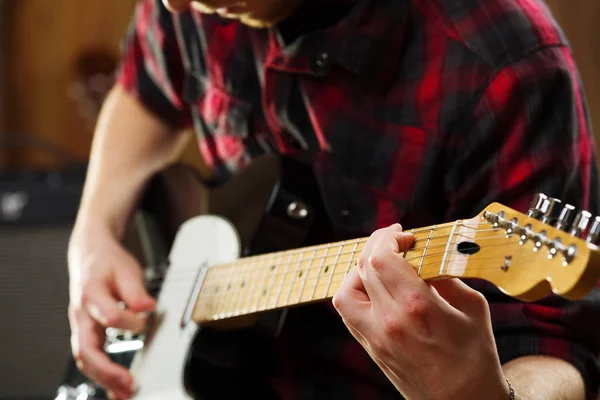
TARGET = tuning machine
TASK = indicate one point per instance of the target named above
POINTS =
(566, 218)
(551, 209)
(544, 209)
(536, 206)
(593, 235)
(581, 223)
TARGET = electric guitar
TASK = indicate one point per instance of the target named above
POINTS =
(243, 253)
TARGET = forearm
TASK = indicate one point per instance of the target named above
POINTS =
(129, 146)
(544, 378)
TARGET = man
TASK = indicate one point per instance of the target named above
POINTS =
(409, 111)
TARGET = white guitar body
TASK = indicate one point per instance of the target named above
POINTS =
(158, 368)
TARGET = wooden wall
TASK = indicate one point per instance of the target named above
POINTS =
(47, 38)
(580, 20)
(5, 12)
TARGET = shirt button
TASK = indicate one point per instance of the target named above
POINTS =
(322, 60)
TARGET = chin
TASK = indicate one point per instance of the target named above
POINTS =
(202, 8)
(256, 23)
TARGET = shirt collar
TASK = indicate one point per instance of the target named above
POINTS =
(367, 41)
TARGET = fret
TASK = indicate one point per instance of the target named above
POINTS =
(231, 289)
(262, 291)
(258, 283)
(337, 257)
(287, 300)
(312, 295)
(275, 273)
(425, 250)
(448, 247)
(351, 257)
(255, 273)
(214, 281)
(306, 273)
(241, 286)
(351, 254)
(284, 276)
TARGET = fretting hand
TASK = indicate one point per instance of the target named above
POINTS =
(432, 340)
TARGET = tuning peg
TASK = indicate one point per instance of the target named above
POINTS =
(566, 217)
(582, 220)
(594, 233)
(535, 208)
(551, 208)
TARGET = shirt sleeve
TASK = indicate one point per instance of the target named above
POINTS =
(529, 132)
(151, 67)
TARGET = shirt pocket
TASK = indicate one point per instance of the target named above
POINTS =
(223, 113)
(222, 123)
(378, 171)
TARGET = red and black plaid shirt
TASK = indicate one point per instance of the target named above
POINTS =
(413, 111)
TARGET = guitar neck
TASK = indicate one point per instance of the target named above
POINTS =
(300, 276)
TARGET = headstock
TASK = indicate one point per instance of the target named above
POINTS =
(551, 249)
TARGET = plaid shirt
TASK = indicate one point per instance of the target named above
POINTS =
(414, 111)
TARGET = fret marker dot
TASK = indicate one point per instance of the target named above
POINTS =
(229, 286)
(326, 269)
(264, 292)
(272, 267)
(300, 274)
(243, 283)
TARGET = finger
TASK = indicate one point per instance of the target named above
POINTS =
(460, 296)
(353, 286)
(130, 288)
(351, 301)
(378, 294)
(404, 240)
(87, 341)
(104, 308)
(386, 236)
(398, 277)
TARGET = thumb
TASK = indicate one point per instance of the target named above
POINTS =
(130, 288)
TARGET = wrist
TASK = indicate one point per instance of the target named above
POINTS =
(96, 223)
(490, 387)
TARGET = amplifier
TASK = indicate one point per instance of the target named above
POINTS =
(37, 211)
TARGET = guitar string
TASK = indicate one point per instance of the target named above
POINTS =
(242, 264)
(472, 225)
(249, 268)
(248, 265)
(245, 263)
(213, 282)
(336, 282)
(337, 275)
(315, 279)
(260, 258)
